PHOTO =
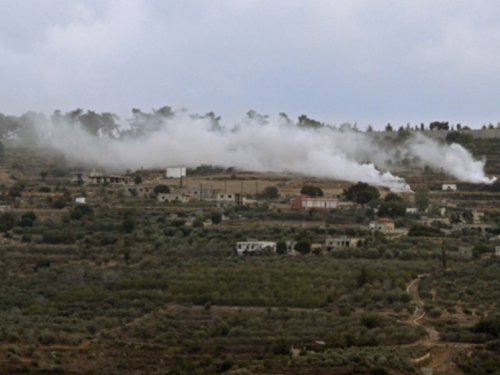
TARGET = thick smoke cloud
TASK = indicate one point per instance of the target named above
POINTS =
(454, 159)
(272, 147)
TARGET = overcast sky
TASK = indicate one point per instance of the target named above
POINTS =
(365, 61)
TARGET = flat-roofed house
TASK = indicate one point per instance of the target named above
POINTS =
(304, 202)
(341, 242)
(252, 246)
(171, 197)
(383, 225)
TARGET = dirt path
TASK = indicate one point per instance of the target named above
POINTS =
(440, 354)
(412, 290)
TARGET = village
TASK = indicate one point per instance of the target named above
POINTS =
(174, 188)
(345, 266)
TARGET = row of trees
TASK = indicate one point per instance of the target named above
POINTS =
(107, 124)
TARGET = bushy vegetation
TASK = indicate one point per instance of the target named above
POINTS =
(135, 281)
(361, 193)
(312, 191)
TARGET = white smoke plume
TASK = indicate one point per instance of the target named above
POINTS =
(273, 147)
(454, 159)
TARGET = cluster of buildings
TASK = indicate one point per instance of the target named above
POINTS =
(186, 193)
(222, 199)
(467, 252)
(183, 194)
(98, 177)
(383, 225)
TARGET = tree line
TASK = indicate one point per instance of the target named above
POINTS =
(141, 123)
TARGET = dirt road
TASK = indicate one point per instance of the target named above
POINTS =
(440, 354)
(419, 313)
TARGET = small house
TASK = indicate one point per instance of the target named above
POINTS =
(98, 178)
(169, 197)
(341, 242)
(383, 225)
(140, 191)
(225, 199)
(77, 178)
(176, 172)
(200, 192)
(304, 202)
(477, 216)
(80, 200)
(253, 246)
(449, 187)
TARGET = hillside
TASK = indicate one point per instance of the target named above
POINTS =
(126, 284)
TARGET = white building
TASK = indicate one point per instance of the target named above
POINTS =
(251, 246)
(383, 225)
(176, 172)
(225, 199)
(80, 200)
(449, 187)
(97, 177)
(341, 242)
(200, 192)
(77, 177)
(140, 191)
(169, 197)
(303, 202)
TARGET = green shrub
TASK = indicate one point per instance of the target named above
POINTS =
(7, 221)
(312, 191)
(59, 204)
(27, 219)
(81, 210)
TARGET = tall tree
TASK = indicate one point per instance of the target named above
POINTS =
(256, 117)
(309, 122)
(361, 193)
(422, 199)
(392, 206)
(143, 123)
(212, 118)
(284, 119)
(312, 191)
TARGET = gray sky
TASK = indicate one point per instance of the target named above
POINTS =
(365, 61)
